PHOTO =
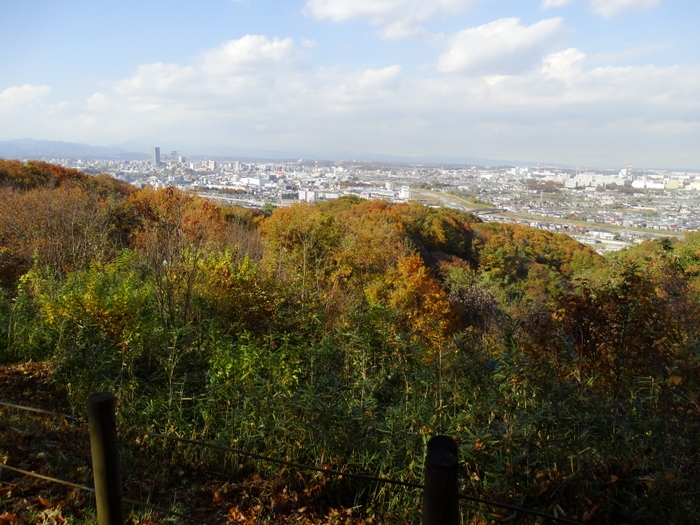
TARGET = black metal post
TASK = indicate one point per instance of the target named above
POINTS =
(440, 503)
(105, 458)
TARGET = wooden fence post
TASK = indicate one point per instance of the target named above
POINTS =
(105, 458)
(440, 503)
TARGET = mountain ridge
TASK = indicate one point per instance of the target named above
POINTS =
(27, 148)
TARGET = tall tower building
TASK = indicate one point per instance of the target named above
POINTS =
(155, 156)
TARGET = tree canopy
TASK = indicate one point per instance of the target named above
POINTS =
(352, 330)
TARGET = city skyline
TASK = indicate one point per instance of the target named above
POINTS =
(575, 82)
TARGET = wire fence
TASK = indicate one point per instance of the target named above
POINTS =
(69, 417)
(92, 492)
(299, 466)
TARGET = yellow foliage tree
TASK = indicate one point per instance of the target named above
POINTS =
(410, 289)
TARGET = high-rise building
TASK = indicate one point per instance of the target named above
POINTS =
(155, 156)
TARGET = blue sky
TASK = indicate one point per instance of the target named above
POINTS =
(579, 82)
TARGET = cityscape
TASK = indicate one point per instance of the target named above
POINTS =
(608, 209)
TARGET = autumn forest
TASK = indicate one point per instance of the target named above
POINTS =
(345, 334)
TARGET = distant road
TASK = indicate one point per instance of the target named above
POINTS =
(451, 201)
(232, 200)
(488, 211)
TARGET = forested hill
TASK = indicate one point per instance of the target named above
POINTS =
(352, 330)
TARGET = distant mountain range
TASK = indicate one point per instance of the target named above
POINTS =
(226, 152)
(33, 149)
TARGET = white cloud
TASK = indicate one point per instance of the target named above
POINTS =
(387, 78)
(614, 57)
(16, 98)
(368, 87)
(155, 78)
(256, 92)
(28, 111)
(308, 43)
(611, 8)
(382, 12)
(607, 8)
(98, 102)
(406, 29)
(234, 66)
(565, 65)
(562, 108)
(246, 53)
(399, 18)
(501, 47)
(548, 4)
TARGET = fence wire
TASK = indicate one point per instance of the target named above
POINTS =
(365, 477)
(39, 411)
(292, 464)
(92, 491)
(517, 509)
(46, 478)
(298, 466)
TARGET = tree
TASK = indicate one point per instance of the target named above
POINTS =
(623, 327)
(299, 242)
(418, 298)
(175, 231)
(63, 229)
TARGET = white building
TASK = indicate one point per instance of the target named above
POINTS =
(255, 181)
(308, 195)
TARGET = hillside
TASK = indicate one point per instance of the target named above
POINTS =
(346, 334)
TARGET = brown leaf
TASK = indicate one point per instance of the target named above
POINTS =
(46, 503)
(8, 517)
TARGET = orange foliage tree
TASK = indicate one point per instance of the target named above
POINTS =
(37, 174)
(63, 229)
(418, 297)
(175, 231)
(622, 328)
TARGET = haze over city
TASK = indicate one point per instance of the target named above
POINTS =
(574, 82)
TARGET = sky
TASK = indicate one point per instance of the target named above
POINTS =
(597, 83)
